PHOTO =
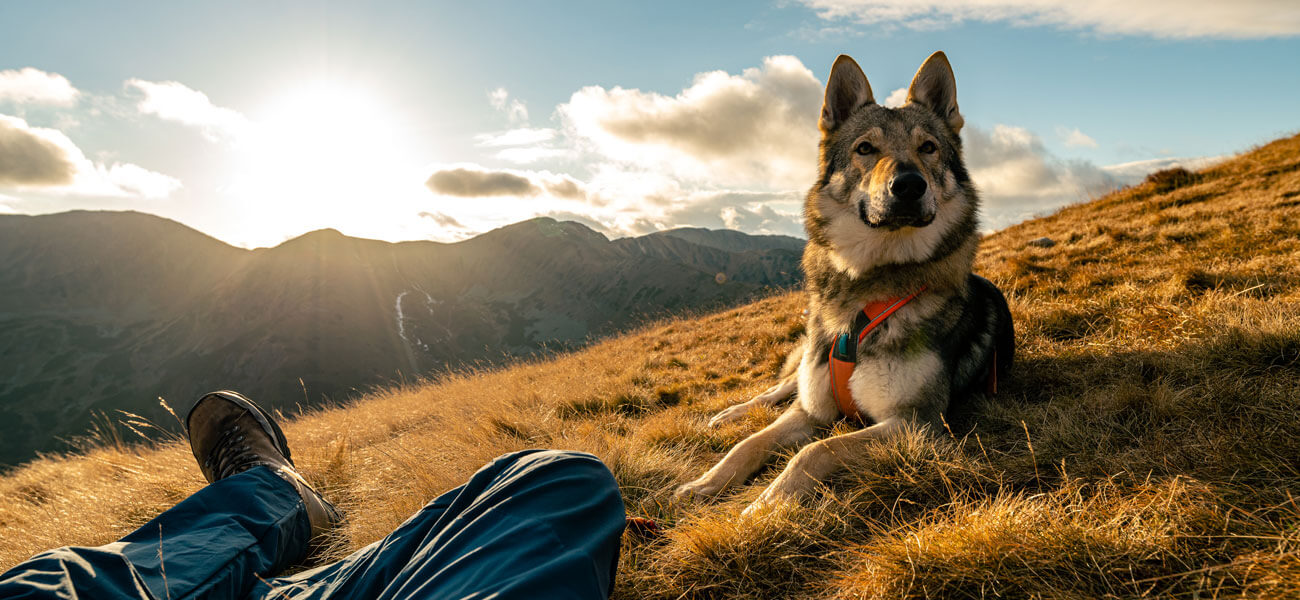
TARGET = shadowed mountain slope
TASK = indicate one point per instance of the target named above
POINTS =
(110, 311)
(726, 239)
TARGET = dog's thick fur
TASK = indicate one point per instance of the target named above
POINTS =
(874, 232)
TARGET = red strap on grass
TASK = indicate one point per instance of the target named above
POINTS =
(643, 527)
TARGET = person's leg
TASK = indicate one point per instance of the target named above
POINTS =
(211, 545)
(257, 517)
(533, 524)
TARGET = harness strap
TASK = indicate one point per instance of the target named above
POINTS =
(991, 388)
(844, 352)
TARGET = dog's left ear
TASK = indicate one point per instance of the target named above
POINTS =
(935, 87)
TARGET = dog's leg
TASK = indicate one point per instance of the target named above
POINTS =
(782, 390)
(815, 462)
(787, 385)
(793, 427)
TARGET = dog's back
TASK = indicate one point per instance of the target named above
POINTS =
(980, 349)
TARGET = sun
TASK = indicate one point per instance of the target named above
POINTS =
(326, 154)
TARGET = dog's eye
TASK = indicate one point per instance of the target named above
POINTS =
(928, 148)
(864, 148)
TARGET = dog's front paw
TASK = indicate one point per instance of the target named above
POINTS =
(772, 498)
(700, 488)
(785, 490)
(731, 415)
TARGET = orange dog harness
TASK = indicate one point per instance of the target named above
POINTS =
(844, 352)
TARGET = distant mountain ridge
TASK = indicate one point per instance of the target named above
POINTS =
(732, 241)
(106, 311)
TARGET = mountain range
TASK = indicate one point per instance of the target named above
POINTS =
(110, 311)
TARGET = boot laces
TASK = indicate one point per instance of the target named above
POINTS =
(231, 456)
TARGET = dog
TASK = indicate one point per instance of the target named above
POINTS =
(899, 330)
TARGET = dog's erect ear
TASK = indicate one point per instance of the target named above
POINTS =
(847, 90)
(935, 88)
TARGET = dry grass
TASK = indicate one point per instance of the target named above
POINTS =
(1147, 444)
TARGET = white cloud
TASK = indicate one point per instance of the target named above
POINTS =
(896, 98)
(523, 145)
(613, 202)
(474, 181)
(174, 101)
(33, 156)
(1018, 178)
(34, 86)
(1075, 138)
(523, 136)
(442, 219)
(46, 159)
(1133, 172)
(1156, 18)
(634, 203)
(514, 109)
(563, 186)
(134, 180)
(752, 213)
(728, 150)
(531, 154)
(758, 127)
(119, 180)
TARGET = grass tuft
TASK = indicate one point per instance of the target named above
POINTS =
(1168, 180)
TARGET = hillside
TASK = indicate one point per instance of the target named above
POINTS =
(110, 311)
(1145, 446)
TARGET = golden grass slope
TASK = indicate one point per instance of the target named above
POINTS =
(1147, 444)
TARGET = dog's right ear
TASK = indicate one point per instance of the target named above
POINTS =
(847, 90)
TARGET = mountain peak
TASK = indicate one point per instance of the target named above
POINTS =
(547, 227)
(319, 235)
(326, 232)
(322, 237)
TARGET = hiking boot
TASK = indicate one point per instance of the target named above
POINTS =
(230, 434)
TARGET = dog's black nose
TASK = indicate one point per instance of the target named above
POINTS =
(908, 187)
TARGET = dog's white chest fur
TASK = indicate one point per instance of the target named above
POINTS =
(881, 385)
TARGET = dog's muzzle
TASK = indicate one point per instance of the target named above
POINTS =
(905, 205)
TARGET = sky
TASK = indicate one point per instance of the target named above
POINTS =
(256, 122)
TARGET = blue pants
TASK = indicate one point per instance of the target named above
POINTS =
(533, 524)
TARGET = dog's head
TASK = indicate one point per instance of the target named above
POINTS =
(893, 187)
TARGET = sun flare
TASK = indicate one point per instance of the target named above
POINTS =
(325, 153)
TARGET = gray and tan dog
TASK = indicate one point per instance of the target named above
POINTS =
(899, 328)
